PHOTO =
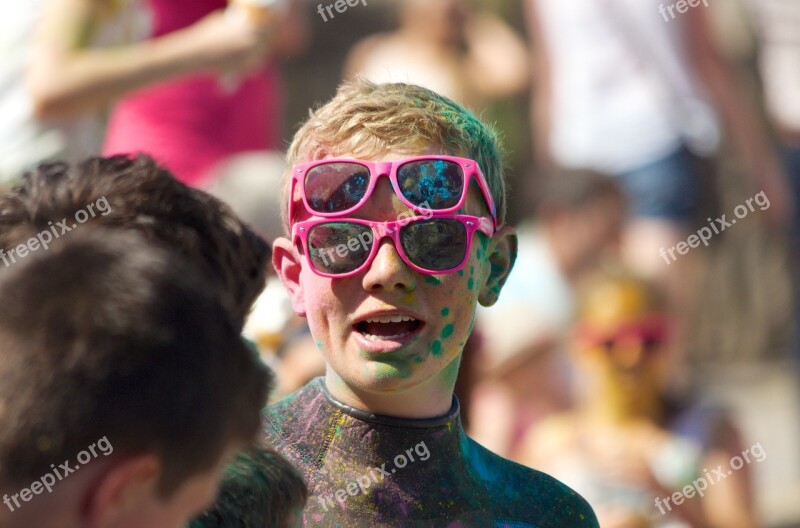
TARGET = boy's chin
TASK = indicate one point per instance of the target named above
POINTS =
(381, 378)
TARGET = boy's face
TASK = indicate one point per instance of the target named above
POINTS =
(361, 322)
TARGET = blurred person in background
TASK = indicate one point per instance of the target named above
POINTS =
(627, 442)
(194, 123)
(777, 25)
(624, 88)
(777, 28)
(449, 47)
(523, 373)
(64, 61)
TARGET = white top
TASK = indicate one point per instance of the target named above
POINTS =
(25, 140)
(613, 108)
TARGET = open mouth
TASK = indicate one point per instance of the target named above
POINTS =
(388, 327)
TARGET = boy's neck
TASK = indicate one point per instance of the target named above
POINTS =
(430, 399)
(39, 513)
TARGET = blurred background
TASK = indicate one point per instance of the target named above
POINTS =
(630, 125)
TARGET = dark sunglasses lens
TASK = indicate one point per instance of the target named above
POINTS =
(436, 184)
(336, 187)
(437, 244)
(339, 247)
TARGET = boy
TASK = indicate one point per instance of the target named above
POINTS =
(120, 365)
(134, 193)
(261, 489)
(390, 297)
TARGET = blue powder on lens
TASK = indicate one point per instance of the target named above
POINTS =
(349, 193)
(434, 185)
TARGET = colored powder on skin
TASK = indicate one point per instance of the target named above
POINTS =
(430, 279)
(460, 273)
(319, 345)
(447, 331)
(470, 283)
(436, 348)
(409, 297)
(451, 371)
(392, 370)
(445, 311)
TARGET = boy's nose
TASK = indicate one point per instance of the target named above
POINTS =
(388, 271)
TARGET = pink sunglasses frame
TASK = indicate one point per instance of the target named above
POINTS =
(381, 230)
(470, 168)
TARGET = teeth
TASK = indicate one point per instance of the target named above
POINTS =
(390, 319)
(384, 338)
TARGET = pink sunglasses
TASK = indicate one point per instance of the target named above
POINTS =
(431, 245)
(336, 187)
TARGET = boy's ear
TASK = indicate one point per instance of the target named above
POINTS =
(502, 253)
(126, 487)
(288, 266)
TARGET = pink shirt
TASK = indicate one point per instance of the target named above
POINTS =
(192, 123)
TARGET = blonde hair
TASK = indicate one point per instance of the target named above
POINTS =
(365, 119)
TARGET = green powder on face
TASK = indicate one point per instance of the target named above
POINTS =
(394, 369)
(319, 344)
(445, 311)
(447, 331)
(460, 273)
(451, 371)
(470, 283)
(436, 348)
(430, 279)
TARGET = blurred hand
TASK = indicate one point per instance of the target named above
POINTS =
(230, 44)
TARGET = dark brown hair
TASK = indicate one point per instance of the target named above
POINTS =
(144, 197)
(107, 335)
(261, 489)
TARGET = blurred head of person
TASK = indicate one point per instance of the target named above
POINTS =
(260, 489)
(582, 213)
(135, 193)
(620, 343)
(124, 386)
(441, 22)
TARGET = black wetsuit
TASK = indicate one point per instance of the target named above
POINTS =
(366, 471)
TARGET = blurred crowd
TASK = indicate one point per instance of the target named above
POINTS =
(622, 373)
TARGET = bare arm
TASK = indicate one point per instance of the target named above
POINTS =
(498, 59)
(65, 76)
(542, 90)
(729, 502)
